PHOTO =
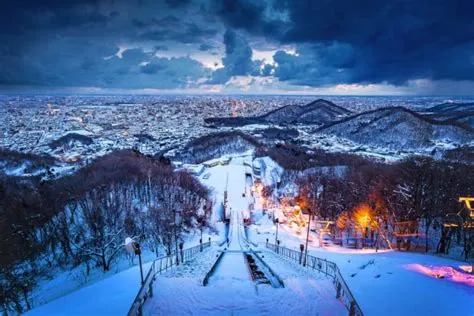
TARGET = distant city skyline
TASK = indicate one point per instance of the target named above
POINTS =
(340, 47)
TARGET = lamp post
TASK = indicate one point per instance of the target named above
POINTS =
(133, 247)
(307, 238)
(138, 252)
(181, 250)
(277, 221)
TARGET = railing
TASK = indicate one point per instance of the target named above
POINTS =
(205, 281)
(329, 269)
(157, 266)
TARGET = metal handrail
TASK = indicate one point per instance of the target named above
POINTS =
(329, 268)
(205, 281)
(157, 266)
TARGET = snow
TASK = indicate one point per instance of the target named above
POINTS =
(230, 290)
(403, 282)
(384, 282)
(185, 296)
(271, 171)
(66, 282)
(70, 281)
(112, 296)
(389, 282)
(232, 268)
(194, 169)
(79, 132)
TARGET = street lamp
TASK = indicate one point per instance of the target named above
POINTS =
(277, 221)
(134, 247)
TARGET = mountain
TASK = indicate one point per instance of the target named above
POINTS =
(451, 107)
(318, 112)
(19, 164)
(460, 113)
(466, 119)
(397, 128)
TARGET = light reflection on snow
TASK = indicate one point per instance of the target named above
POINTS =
(467, 269)
(443, 272)
(338, 249)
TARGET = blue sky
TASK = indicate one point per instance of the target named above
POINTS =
(239, 46)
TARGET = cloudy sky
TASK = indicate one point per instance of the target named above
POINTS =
(239, 46)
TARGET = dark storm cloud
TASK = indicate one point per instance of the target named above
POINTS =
(177, 3)
(248, 14)
(60, 64)
(71, 43)
(172, 28)
(237, 60)
(29, 15)
(161, 48)
(391, 41)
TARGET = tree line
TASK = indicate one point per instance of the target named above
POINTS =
(84, 218)
(414, 197)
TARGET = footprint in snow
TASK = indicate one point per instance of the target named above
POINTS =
(353, 275)
(367, 264)
(377, 276)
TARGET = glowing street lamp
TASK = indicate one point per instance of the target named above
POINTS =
(134, 247)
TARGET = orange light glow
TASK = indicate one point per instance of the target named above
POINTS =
(364, 217)
(468, 201)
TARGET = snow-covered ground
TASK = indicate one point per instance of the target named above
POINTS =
(230, 290)
(68, 281)
(74, 279)
(385, 282)
(112, 296)
(389, 282)
(302, 295)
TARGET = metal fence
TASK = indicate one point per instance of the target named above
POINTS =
(329, 269)
(157, 266)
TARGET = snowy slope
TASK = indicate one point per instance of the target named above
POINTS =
(318, 112)
(396, 128)
(389, 285)
(388, 282)
(112, 296)
(230, 290)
